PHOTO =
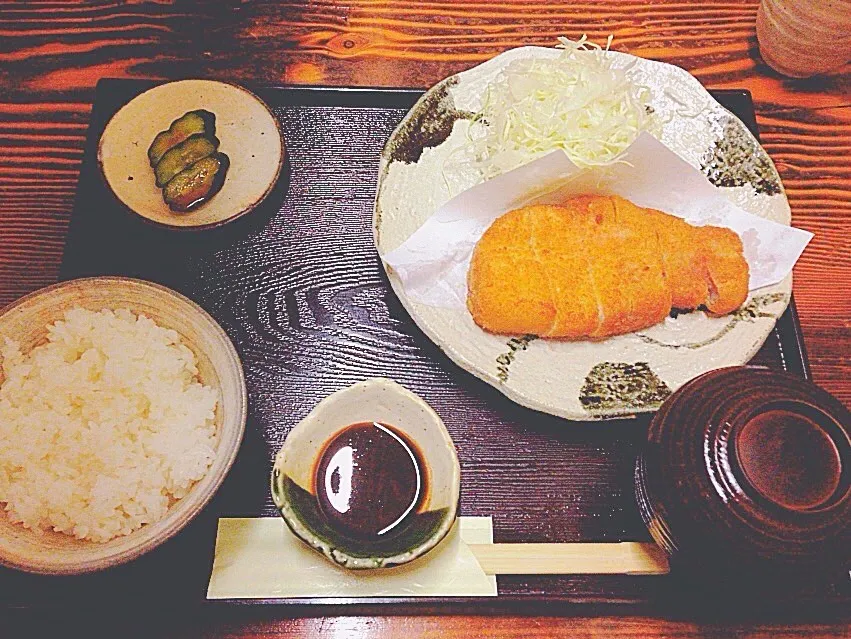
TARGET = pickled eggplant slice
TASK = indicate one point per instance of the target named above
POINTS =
(191, 123)
(184, 155)
(197, 184)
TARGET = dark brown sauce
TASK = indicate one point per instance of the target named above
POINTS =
(369, 480)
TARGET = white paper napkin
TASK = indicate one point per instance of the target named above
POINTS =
(432, 264)
(259, 558)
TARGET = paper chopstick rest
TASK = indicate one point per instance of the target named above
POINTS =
(259, 558)
(629, 558)
(432, 263)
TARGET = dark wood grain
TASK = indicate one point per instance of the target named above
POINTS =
(298, 287)
(52, 55)
(242, 625)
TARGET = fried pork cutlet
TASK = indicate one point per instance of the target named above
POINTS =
(597, 267)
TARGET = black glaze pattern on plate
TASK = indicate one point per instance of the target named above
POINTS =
(300, 290)
(619, 385)
(737, 159)
(514, 345)
(429, 124)
(756, 308)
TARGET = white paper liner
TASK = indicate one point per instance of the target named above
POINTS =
(432, 263)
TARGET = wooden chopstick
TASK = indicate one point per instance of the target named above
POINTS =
(623, 558)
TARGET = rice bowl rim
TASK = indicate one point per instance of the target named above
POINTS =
(99, 556)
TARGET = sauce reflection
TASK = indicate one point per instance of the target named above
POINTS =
(369, 480)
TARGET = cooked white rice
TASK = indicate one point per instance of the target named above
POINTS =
(102, 427)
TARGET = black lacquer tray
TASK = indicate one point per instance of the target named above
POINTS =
(300, 290)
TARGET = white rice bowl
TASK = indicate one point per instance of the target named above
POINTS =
(103, 427)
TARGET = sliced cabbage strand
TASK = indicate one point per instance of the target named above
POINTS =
(577, 102)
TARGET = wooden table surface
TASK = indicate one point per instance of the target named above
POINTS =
(53, 53)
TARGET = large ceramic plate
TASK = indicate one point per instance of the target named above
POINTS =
(582, 380)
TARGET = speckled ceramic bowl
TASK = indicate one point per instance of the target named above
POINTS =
(374, 400)
(26, 322)
(423, 167)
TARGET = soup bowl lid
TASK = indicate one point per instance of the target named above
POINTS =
(748, 465)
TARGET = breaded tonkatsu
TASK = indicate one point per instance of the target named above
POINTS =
(599, 266)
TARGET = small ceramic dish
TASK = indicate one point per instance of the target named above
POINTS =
(26, 322)
(402, 416)
(246, 128)
(747, 469)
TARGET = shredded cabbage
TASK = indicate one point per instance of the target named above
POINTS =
(576, 102)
